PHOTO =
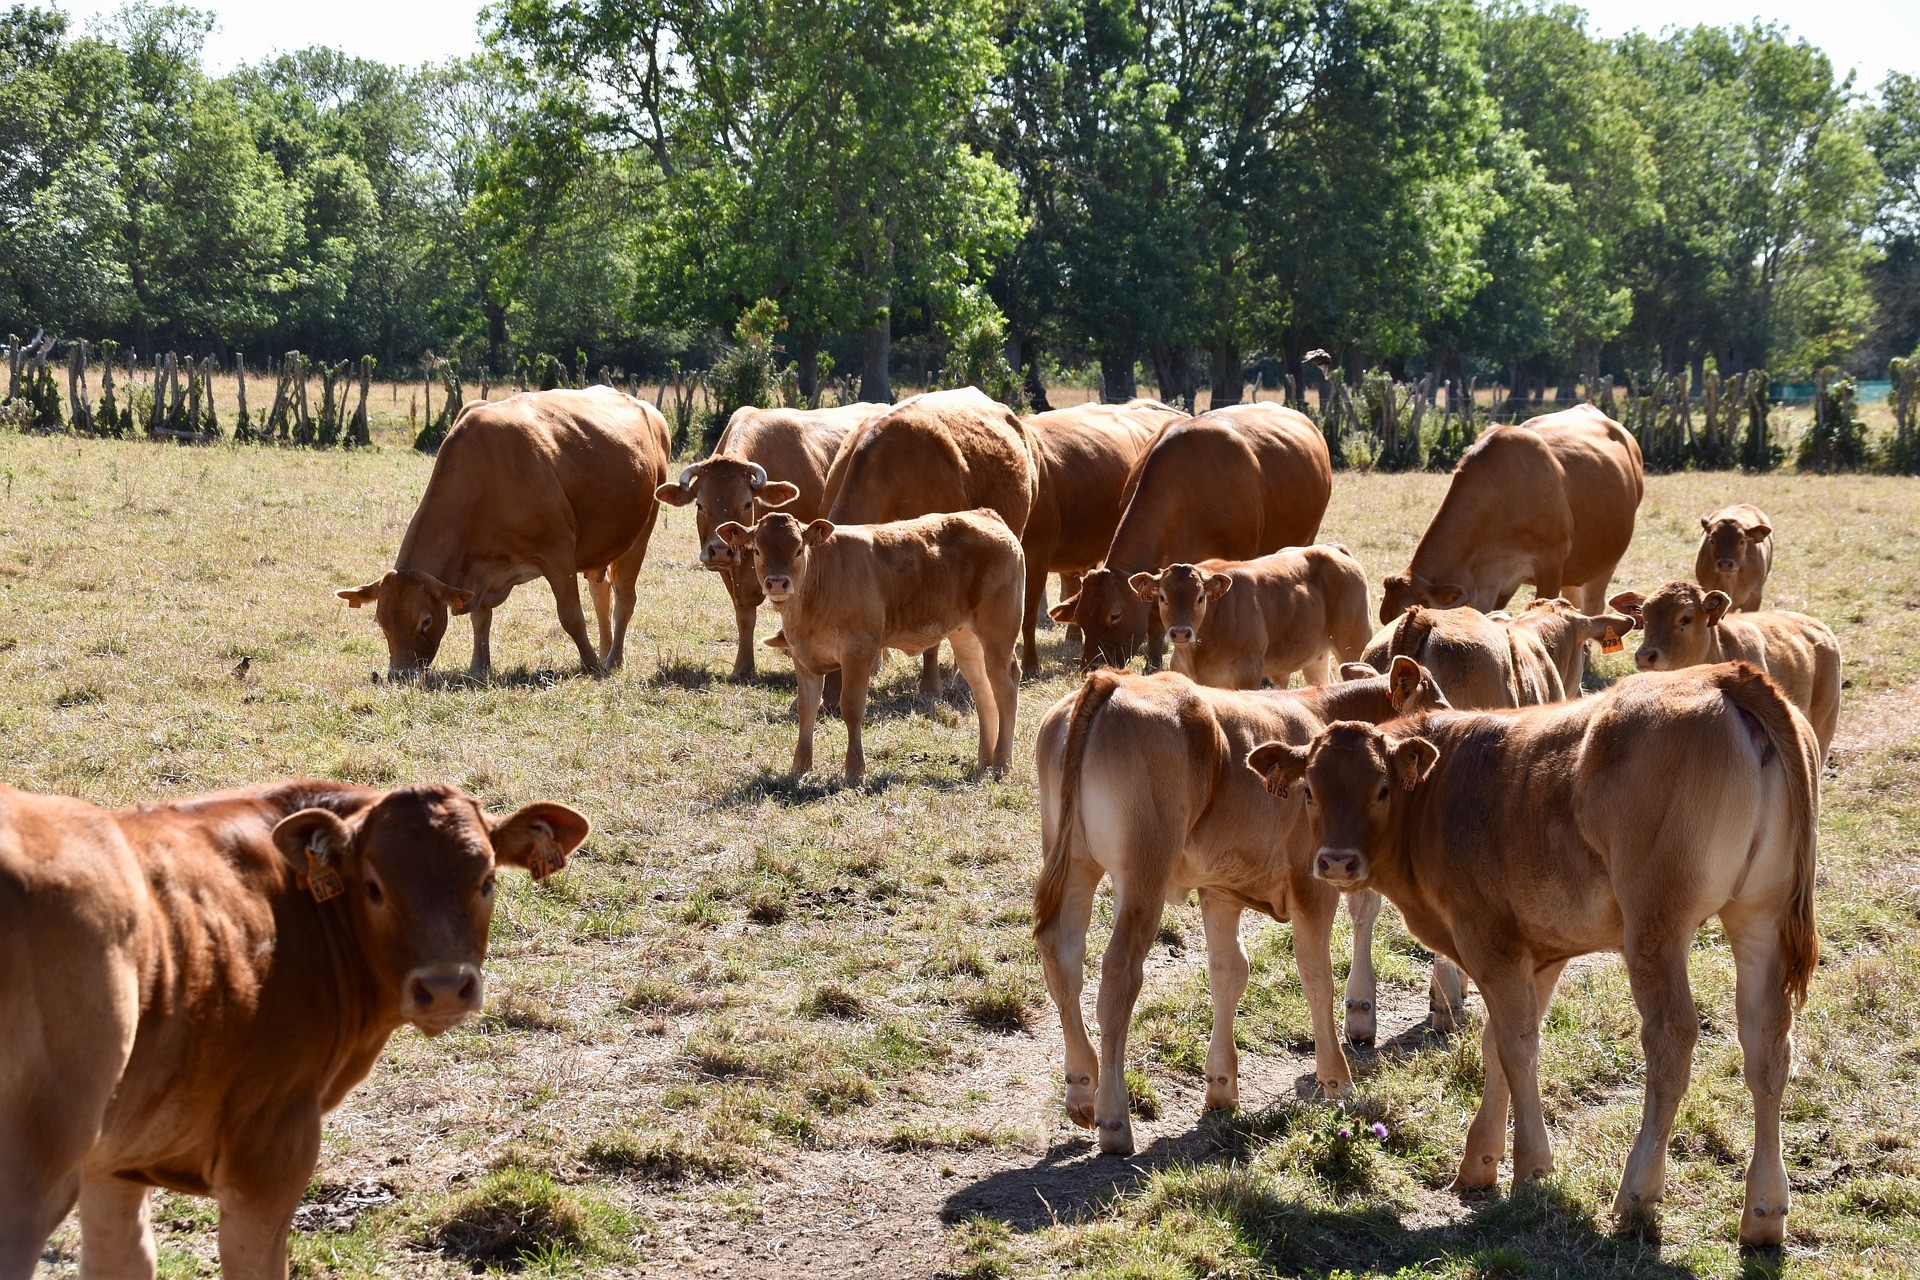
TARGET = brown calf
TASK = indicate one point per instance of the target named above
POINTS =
(1646, 809)
(766, 459)
(1484, 663)
(1736, 554)
(1686, 625)
(1232, 623)
(1549, 501)
(190, 986)
(1141, 780)
(847, 593)
(545, 484)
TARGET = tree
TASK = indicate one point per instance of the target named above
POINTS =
(1892, 129)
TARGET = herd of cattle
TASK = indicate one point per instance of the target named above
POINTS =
(188, 987)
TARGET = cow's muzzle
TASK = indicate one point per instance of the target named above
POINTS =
(1725, 566)
(436, 998)
(1647, 658)
(778, 587)
(1180, 635)
(718, 555)
(1340, 867)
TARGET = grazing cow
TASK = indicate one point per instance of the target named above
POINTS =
(1736, 554)
(1141, 780)
(1085, 455)
(1646, 809)
(765, 459)
(1549, 501)
(1233, 483)
(847, 593)
(188, 987)
(545, 484)
(1232, 622)
(943, 451)
(1484, 663)
(1686, 625)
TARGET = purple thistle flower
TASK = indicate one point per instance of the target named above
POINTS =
(1345, 1134)
(1379, 1131)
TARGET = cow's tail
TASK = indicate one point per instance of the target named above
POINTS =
(1410, 637)
(1050, 889)
(1749, 689)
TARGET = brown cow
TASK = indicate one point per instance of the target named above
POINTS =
(1645, 810)
(1686, 625)
(1549, 501)
(765, 459)
(1232, 484)
(939, 452)
(546, 484)
(1085, 455)
(1736, 554)
(1484, 663)
(1233, 622)
(1141, 779)
(190, 986)
(848, 593)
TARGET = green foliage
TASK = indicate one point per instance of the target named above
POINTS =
(976, 334)
(1837, 440)
(748, 371)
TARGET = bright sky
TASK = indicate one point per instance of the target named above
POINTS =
(1869, 36)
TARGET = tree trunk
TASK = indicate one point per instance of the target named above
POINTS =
(1116, 377)
(875, 381)
(1227, 380)
(496, 330)
(806, 372)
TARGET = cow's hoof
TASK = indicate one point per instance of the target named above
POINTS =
(1116, 1137)
(1763, 1225)
(1443, 1020)
(1334, 1090)
(1223, 1093)
(1361, 1024)
(1477, 1173)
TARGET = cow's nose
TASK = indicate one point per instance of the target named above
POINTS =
(1338, 865)
(442, 995)
(778, 582)
(1179, 635)
(1725, 566)
(1645, 658)
(716, 550)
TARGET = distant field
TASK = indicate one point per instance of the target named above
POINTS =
(761, 1029)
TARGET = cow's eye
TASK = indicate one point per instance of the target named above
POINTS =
(1113, 617)
(426, 625)
(375, 894)
(1687, 621)
(1306, 793)
(1383, 792)
(486, 886)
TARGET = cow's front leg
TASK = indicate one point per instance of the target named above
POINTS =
(1362, 984)
(1227, 972)
(264, 1182)
(856, 669)
(481, 668)
(600, 587)
(1313, 906)
(807, 708)
(745, 611)
(116, 1229)
(1669, 1028)
(573, 619)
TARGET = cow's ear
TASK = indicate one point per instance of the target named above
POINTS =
(1064, 611)
(1217, 585)
(1717, 603)
(1601, 626)
(734, 534)
(539, 838)
(1144, 585)
(1279, 765)
(1630, 603)
(1449, 596)
(817, 532)
(1759, 533)
(1413, 759)
(1706, 525)
(1403, 680)
(319, 843)
(1356, 671)
(674, 495)
(369, 594)
(458, 599)
(776, 493)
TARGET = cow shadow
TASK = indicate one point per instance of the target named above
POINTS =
(827, 781)
(1299, 1236)
(500, 678)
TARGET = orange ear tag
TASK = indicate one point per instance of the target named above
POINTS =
(322, 880)
(547, 857)
(1275, 787)
(1611, 643)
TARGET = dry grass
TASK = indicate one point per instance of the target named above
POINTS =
(773, 1028)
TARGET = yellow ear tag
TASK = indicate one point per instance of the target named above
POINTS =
(322, 880)
(1611, 643)
(547, 857)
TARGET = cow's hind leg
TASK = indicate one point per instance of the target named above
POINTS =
(1656, 952)
(625, 575)
(1446, 995)
(116, 1230)
(1766, 1038)
(1062, 943)
(969, 657)
(573, 619)
(1136, 916)
(1362, 984)
(1227, 972)
(600, 591)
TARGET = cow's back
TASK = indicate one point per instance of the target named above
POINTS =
(943, 451)
(1469, 654)
(1085, 455)
(795, 445)
(513, 473)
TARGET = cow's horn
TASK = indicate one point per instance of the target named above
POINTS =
(686, 477)
(759, 476)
